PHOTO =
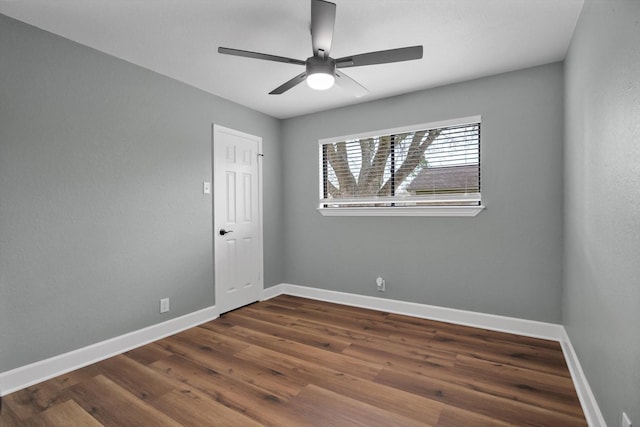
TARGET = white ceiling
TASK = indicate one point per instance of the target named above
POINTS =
(462, 39)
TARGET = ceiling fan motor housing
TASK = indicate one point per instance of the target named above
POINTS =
(316, 65)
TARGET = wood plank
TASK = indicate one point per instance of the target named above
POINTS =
(68, 414)
(193, 408)
(456, 417)
(321, 407)
(435, 325)
(298, 323)
(33, 400)
(549, 391)
(371, 326)
(507, 410)
(408, 345)
(112, 405)
(299, 303)
(147, 354)
(292, 348)
(270, 381)
(143, 382)
(248, 399)
(7, 417)
(538, 359)
(390, 399)
(545, 390)
(310, 338)
(209, 338)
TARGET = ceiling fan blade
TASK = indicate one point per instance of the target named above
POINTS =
(323, 19)
(288, 85)
(257, 55)
(380, 57)
(351, 85)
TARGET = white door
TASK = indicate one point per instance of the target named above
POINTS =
(237, 218)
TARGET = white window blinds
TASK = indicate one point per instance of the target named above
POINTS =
(431, 166)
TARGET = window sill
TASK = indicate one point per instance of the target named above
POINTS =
(404, 211)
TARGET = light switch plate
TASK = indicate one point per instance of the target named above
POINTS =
(206, 187)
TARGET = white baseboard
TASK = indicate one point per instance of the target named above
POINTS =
(530, 328)
(492, 322)
(28, 375)
(587, 399)
(273, 291)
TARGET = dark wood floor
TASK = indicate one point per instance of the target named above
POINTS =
(295, 362)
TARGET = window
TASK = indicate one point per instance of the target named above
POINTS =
(429, 169)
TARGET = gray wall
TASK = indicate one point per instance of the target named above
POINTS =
(101, 204)
(506, 261)
(601, 309)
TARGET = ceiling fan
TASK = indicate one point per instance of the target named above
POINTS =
(321, 71)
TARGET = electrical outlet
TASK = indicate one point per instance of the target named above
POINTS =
(625, 420)
(164, 305)
(380, 283)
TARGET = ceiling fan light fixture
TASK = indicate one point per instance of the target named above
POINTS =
(320, 81)
(320, 73)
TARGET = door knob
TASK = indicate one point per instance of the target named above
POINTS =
(223, 231)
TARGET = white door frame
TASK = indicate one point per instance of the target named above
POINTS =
(215, 129)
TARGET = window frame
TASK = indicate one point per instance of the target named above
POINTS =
(436, 210)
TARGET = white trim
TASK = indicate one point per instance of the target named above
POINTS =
(271, 292)
(28, 375)
(404, 211)
(530, 328)
(424, 198)
(585, 395)
(404, 129)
